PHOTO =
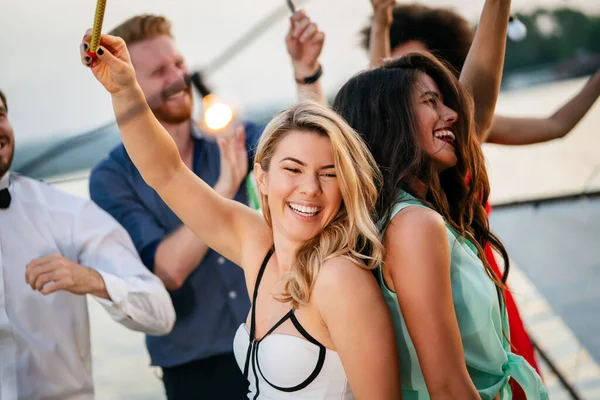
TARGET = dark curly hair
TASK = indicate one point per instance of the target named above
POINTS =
(445, 33)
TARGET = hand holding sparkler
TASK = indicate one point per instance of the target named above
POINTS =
(113, 67)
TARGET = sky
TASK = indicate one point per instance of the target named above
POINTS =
(51, 94)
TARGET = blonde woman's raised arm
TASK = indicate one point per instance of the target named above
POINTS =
(220, 223)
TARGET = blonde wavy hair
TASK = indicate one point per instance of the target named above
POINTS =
(352, 233)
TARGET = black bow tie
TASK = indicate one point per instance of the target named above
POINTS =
(4, 198)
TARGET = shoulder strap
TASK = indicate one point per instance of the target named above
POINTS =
(405, 200)
(253, 310)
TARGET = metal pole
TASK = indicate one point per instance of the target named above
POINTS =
(559, 375)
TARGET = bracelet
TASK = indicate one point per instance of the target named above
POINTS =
(311, 79)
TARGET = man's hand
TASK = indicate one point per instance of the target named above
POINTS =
(54, 272)
(304, 43)
(234, 163)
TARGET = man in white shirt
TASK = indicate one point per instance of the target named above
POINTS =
(55, 247)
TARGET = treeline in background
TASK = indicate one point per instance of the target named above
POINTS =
(560, 44)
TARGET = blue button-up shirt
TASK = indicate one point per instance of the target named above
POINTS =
(213, 301)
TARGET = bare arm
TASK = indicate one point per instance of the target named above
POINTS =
(519, 131)
(352, 308)
(156, 156)
(379, 41)
(304, 43)
(418, 261)
(178, 255)
(482, 72)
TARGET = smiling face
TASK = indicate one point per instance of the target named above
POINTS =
(301, 185)
(158, 65)
(435, 122)
(7, 140)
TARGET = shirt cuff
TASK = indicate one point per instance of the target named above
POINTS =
(117, 290)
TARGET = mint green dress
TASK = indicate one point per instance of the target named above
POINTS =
(489, 359)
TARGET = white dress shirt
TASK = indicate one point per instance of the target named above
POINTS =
(45, 340)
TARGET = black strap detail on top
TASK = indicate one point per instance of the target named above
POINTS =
(318, 367)
(253, 344)
(253, 311)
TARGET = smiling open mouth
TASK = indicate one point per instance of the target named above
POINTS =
(177, 95)
(304, 211)
(445, 135)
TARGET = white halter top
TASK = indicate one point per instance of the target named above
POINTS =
(286, 367)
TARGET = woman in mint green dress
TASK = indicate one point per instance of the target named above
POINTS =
(447, 306)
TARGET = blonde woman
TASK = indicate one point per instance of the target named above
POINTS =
(318, 327)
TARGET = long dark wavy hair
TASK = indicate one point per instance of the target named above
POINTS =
(378, 104)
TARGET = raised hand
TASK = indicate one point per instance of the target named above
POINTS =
(234, 163)
(304, 44)
(382, 13)
(112, 67)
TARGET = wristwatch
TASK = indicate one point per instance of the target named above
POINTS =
(311, 79)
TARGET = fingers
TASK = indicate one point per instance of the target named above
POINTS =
(112, 48)
(308, 32)
(240, 136)
(383, 5)
(112, 42)
(302, 28)
(44, 259)
(83, 48)
(42, 279)
(319, 37)
(107, 57)
(109, 41)
(224, 146)
(299, 26)
(299, 15)
(43, 271)
(85, 59)
(55, 286)
(33, 273)
(240, 139)
(231, 146)
(38, 266)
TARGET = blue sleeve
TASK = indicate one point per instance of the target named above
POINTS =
(113, 192)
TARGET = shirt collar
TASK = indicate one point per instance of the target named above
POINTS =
(5, 180)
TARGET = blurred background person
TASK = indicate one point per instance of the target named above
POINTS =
(55, 248)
